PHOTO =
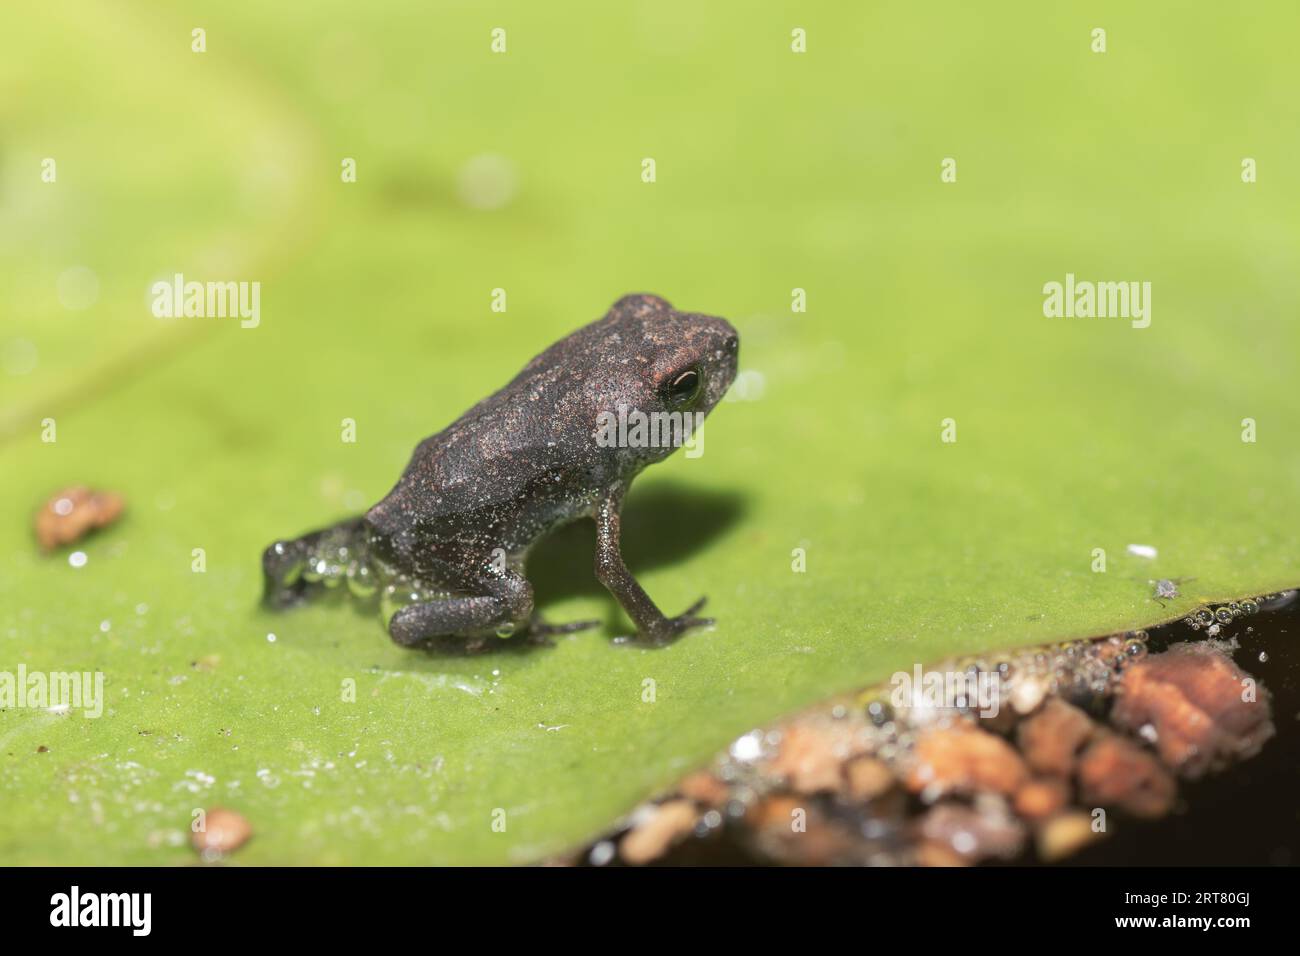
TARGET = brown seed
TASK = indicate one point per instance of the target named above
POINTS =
(1191, 697)
(804, 839)
(666, 825)
(703, 787)
(1052, 738)
(224, 831)
(1115, 772)
(807, 760)
(965, 759)
(71, 514)
(1038, 799)
(973, 832)
(868, 778)
(777, 812)
(929, 853)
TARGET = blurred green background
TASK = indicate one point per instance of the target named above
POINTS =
(522, 171)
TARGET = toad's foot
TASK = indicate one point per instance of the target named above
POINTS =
(539, 632)
(668, 629)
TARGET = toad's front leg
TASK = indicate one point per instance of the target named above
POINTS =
(651, 623)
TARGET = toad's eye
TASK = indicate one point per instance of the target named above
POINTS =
(683, 388)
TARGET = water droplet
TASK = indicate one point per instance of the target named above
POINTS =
(361, 580)
(271, 638)
(748, 747)
(394, 599)
(505, 630)
(77, 559)
(1263, 657)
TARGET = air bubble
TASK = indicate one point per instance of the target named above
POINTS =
(394, 599)
(361, 580)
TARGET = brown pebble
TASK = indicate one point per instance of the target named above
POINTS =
(973, 832)
(1064, 835)
(965, 759)
(868, 778)
(805, 840)
(703, 787)
(1115, 772)
(666, 825)
(1191, 696)
(806, 760)
(1052, 738)
(224, 831)
(71, 514)
(937, 854)
(777, 812)
(1041, 798)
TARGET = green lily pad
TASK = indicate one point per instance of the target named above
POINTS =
(775, 171)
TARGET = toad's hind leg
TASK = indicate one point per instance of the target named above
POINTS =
(505, 607)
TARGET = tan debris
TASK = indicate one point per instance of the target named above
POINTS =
(666, 825)
(1204, 710)
(1114, 772)
(1051, 738)
(964, 759)
(1041, 798)
(1064, 835)
(868, 778)
(224, 831)
(72, 513)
